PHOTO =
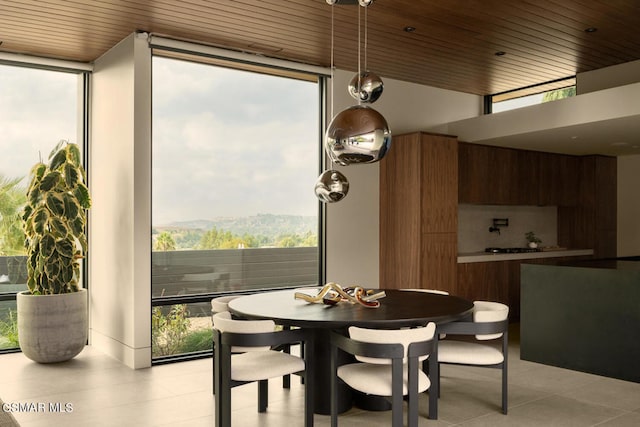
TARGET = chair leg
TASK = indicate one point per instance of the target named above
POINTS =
(504, 389)
(505, 355)
(434, 390)
(286, 379)
(396, 393)
(263, 395)
(413, 394)
(222, 396)
(334, 386)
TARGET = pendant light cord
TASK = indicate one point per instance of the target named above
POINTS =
(366, 36)
(359, 70)
(332, 65)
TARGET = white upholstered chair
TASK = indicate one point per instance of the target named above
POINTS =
(243, 354)
(221, 304)
(388, 364)
(490, 322)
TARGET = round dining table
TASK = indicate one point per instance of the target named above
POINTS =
(398, 309)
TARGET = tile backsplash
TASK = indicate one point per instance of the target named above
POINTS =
(474, 222)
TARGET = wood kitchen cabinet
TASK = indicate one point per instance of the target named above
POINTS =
(488, 175)
(505, 176)
(592, 221)
(419, 212)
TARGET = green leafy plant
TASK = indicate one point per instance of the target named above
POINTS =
(198, 340)
(12, 199)
(54, 222)
(9, 331)
(531, 237)
(168, 331)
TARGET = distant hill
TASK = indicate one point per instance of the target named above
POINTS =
(261, 224)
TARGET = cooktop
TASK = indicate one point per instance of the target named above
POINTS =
(511, 250)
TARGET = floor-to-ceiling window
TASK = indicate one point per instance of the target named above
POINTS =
(236, 152)
(38, 108)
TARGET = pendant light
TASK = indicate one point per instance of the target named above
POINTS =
(358, 134)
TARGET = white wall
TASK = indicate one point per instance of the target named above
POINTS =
(353, 223)
(605, 78)
(119, 177)
(628, 206)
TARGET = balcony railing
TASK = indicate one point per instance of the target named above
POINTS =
(232, 270)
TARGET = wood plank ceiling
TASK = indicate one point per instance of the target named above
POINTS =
(453, 46)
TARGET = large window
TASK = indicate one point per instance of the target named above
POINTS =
(235, 158)
(38, 108)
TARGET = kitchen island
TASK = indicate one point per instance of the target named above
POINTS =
(583, 315)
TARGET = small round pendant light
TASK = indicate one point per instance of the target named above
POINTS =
(332, 186)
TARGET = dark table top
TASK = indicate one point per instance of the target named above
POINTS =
(397, 309)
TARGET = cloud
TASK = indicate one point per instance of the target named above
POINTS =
(225, 142)
(230, 143)
(37, 109)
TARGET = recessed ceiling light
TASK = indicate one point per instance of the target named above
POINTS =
(590, 30)
(409, 29)
(500, 53)
(619, 144)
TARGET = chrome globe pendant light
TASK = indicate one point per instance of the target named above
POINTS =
(358, 134)
(331, 186)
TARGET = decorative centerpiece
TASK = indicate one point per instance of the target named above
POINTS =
(333, 293)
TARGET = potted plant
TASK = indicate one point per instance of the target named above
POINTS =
(52, 313)
(532, 239)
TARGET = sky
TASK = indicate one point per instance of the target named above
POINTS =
(231, 143)
(37, 109)
(225, 143)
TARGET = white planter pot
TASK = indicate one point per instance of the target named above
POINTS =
(52, 328)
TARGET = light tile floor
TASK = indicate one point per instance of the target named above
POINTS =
(103, 392)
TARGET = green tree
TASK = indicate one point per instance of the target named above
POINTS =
(288, 241)
(554, 95)
(165, 242)
(220, 239)
(310, 239)
(12, 199)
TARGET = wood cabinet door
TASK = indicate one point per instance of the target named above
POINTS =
(487, 281)
(419, 211)
(488, 175)
(439, 180)
(400, 213)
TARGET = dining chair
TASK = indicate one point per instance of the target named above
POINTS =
(243, 353)
(388, 365)
(220, 304)
(489, 322)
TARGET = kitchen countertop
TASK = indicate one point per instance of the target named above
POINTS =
(488, 257)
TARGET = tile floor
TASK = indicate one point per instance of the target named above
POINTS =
(103, 392)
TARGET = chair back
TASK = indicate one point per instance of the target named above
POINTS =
(488, 311)
(392, 336)
(221, 304)
(224, 323)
